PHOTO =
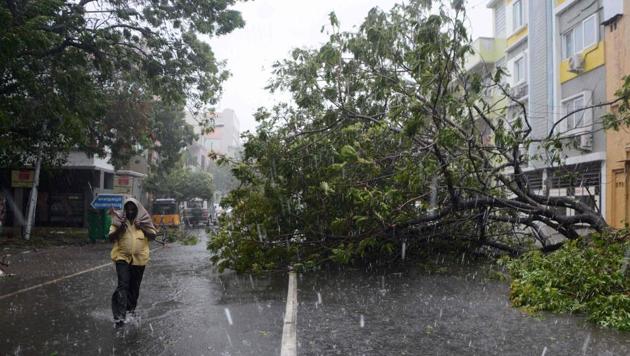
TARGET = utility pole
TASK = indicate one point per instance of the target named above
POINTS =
(32, 202)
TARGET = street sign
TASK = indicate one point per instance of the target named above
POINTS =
(106, 201)
(123, 184)
(22, 179)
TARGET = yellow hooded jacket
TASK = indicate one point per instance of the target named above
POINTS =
(133, 245)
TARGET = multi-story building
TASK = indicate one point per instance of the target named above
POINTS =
(617, 53)
(489, 53)
(224, 140)
(554, 56)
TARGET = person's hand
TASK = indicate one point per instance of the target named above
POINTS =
(123, 226)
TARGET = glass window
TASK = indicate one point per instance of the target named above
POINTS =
(568, 44)
(164, 208)
(583, 35)
(108, 181)
(578, 43)
(590, 31)
(575, 120)
(519, 70)
(568, 108)
(578, 103)
(517, 14)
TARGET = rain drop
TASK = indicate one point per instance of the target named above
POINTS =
(228, 337)
(228, 316)
(404, 249)
(586, 342)
(433, 201)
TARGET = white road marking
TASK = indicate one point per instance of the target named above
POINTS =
(289, 331)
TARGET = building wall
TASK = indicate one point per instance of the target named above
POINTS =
(65, 193)
(139, 163)
(591, 80)
(499, 21)
(225, 138)
(549, 81)
(515, 51)
(594, 82)
(539, 77)
(617, 142)
(578, 11)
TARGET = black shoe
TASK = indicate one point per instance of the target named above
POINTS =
(119, 324)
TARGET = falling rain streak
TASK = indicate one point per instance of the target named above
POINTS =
(404, 250)
(228, 316)
(587, 341)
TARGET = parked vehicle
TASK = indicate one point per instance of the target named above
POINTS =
(165, 212)
(196, 212)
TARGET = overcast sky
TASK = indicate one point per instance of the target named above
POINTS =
(274, 27)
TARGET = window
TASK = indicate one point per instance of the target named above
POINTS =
(568, 47)
(590, 31)
(517, 15)
(108, 181)
(576, 119)
(519, 70)
(583, 35)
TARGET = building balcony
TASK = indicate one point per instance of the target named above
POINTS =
(487, 51)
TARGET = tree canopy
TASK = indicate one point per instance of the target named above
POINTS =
(172, 134)
(385, 146)
(84, 74)
(181, 184)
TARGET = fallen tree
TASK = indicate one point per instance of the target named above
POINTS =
(389, 141)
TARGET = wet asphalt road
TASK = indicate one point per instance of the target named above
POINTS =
(183, 308)
(187, 308)
(450, 310)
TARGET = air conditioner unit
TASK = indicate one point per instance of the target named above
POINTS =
(518, 91)
(585, 142)
(576, 63)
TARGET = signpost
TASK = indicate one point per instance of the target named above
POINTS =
(123, 184)
(106, 201)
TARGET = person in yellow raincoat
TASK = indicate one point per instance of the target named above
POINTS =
(130, 232)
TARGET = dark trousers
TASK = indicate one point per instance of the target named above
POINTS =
(125, 296)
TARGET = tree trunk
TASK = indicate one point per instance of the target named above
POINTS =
(32, 202)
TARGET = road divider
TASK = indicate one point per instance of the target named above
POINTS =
(289, 330)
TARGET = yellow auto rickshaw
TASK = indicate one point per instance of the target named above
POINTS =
(165, 213)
